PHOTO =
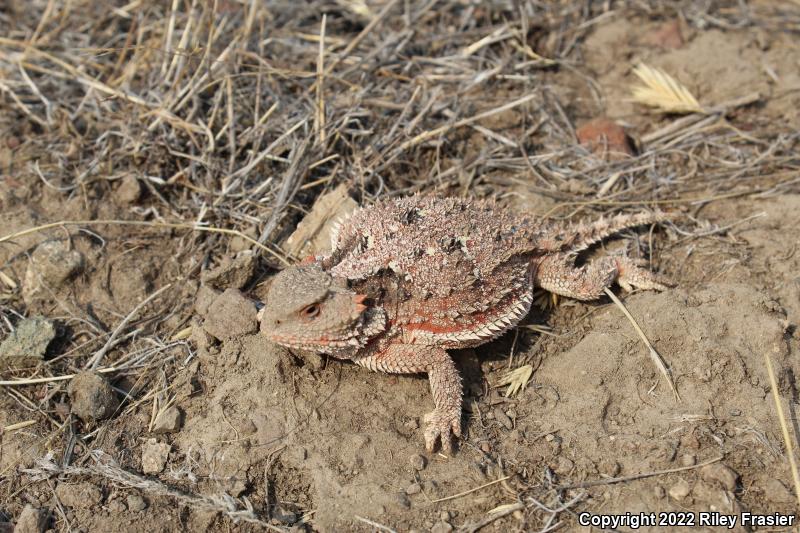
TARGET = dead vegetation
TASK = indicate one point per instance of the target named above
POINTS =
(228, 118)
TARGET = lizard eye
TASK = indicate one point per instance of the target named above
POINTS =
(310, 311)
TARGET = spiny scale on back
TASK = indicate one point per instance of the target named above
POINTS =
(413, 277)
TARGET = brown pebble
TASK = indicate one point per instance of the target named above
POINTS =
(168, 421)
(12, 142)
(129, 191)
(91, 397)
(503, 418)
(680, 490)
(31, 520)
(720, 473)
(154, 456)
(688, 459)
(603, 136)
(414, 488)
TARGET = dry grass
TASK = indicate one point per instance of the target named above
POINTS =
(233, 116)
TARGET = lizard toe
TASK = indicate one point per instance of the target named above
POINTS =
(442, 426)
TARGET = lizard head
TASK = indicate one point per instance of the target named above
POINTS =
(307, 309)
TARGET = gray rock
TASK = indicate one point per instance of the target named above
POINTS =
(168, 421)
(28, 343)
(51, 265)
(231, 315)
(91, 396)
(32, 520)
(154, 456)
(418, 462)
(136, 503)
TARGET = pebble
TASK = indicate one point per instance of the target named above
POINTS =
(154, 456)
(136, 503)
(486, 447)
(720, 473)
(688, 459)
(442, 527)
(562, 466)
(31, 520)
(503, 418)
(445, 516)
(414, 488)
(659, 492)
(91, 397)
(168, 421)
(679, 490)
(231, 274)
(230, 315)
(80, 495)
(418, 462)
(52, 264)
(603, 136)
(129, 191)
(28, 342)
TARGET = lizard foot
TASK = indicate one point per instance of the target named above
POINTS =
(442, 425)
(633, 273)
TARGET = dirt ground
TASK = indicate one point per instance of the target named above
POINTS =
(263, 439)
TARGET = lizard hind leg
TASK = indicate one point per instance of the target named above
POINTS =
(444, 421)
(559, 275)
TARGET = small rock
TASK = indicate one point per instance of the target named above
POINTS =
(485, 447)
(92, 397)
(240, 244)
(720, 473)
(154, 456)
(418, 462)
(445, 516)
(231, 274)
(442, 527)
(562, 466)
(204, 298)
(231, 315)
(168, 421)
(603, 136)
(659, 492)
(688, 459)
(116, 507)
(503, 418)
(31, 520)
(52, 264)
(609, 467)
(28, 343)
(414, 488)
(679, 490)
(668, 36)
(129, 191)
(284, 515)
(136, 503)
(80, 495)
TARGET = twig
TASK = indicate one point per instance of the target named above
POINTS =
(460, 494)
(784, 427)
(653, 353)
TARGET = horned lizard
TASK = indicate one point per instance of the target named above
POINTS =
(410, 278)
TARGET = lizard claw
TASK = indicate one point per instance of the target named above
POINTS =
(442, 425)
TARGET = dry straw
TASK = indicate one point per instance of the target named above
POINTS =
(663, 92)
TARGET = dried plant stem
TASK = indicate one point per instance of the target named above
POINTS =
(654, 355)
(787, 440)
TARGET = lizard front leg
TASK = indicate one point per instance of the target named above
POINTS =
(445, 420)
